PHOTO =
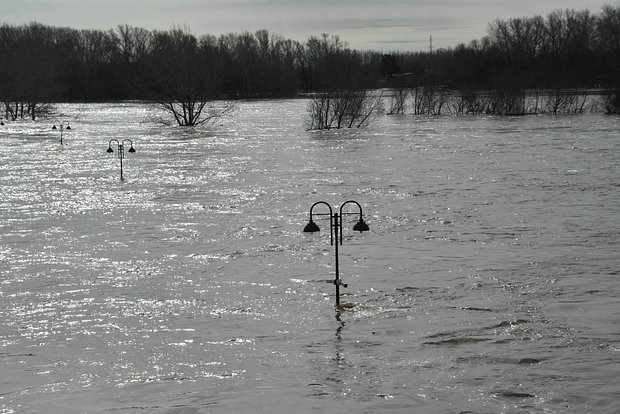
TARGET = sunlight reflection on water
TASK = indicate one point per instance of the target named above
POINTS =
(487, 282)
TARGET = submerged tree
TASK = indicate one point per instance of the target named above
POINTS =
(182, 78)
(27, 70)
(341, 100)
(345, 109)
(186, 76)
(611, 103)
(398, 101)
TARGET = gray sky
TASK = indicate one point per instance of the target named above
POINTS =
(381, 25)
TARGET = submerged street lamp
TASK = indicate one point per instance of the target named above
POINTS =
(121, 150)
(62, 128)
(335, 224)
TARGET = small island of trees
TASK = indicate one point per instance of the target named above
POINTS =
(523, 65)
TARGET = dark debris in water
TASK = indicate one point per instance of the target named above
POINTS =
(513, 394)
(474, 308)
(491, 359)
(505, 324)
(7, 355)
(408, 289)
(470, 336)
(530, 361)
(473, 412)
(457, 341)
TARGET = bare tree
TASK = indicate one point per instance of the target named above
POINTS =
(428, 100)
(182, 78)
(561, 101)
(507, 101)
(398, 101)
(341, 101)
(28, 71)
(611, 103)
(343, 109)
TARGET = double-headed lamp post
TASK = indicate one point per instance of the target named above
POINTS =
(121, 150)
(335, 224)
(62, 128)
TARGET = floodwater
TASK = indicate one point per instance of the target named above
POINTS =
(488, 282)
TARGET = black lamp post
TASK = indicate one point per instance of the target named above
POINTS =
(121, 150)
(62, 128)
(335, 224)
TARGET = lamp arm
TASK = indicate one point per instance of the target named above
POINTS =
(341, 217)
(331, 219)
(354, 202)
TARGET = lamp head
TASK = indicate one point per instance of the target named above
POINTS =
(110, 149)
(132, 149)
(361, 226)
(311, 227)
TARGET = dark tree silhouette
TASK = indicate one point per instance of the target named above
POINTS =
(188, 76)
(180, 78)
(28, 71)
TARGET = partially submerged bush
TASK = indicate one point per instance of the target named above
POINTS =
(398, 101)
(469, 102)
(611, 103)
(507, 102)
(343, 109)
(428, 100)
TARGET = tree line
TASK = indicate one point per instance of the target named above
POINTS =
(43, 64)
(565, 49)
(183, 72)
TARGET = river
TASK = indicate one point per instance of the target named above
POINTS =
(488, 282)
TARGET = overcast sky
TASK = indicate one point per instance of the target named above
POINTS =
(381, 25)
